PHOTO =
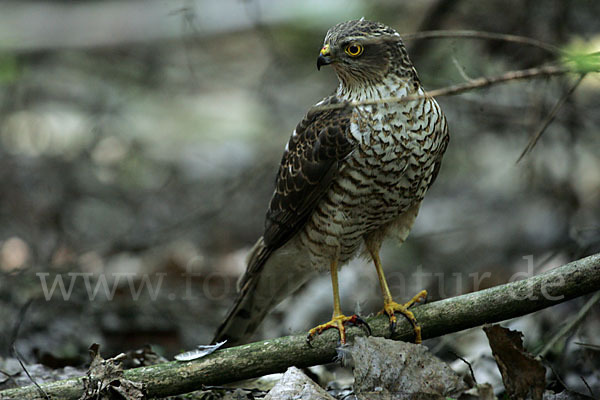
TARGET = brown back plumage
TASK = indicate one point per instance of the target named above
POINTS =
(308, 166)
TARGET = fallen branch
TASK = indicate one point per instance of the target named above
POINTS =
(276, 355)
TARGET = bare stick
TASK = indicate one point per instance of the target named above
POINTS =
(478, 83)
(538, 134)
(276, 355)
(571, 324)
(466, 34)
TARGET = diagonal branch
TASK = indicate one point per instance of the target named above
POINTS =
(276, 355)
(538, 134)
(571, 324)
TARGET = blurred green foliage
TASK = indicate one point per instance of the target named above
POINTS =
(584, 63)
(582, 57)
(9, 68)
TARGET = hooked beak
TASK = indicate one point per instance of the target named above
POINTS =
(324, 57)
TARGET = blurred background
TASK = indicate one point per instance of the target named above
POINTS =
(139, 142)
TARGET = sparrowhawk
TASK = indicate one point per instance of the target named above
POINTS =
(354, 172)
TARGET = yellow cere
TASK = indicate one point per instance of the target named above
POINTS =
(325, 50)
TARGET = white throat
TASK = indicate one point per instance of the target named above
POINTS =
(392, 86)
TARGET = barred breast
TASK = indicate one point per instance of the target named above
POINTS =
(399, 147)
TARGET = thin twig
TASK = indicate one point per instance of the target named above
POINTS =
(549, 118)
(478, 83)
(565, 329)
(588, 387)
(556, 374)
(461, 70)
(468, 364)
(20, 318)
(468, 34)
(13, 346)
(19, 358)
(8, 376)
(516, 75)
(589, 346)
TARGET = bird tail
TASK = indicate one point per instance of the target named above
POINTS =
(270, 277)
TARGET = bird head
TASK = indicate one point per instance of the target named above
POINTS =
(364, 52)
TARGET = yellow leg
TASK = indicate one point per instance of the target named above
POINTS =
(338, 320)
(390, 306)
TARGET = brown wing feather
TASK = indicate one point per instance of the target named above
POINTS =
(308, 166)
(307, 169)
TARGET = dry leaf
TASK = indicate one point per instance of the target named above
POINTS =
(105, 379)
(522, 374)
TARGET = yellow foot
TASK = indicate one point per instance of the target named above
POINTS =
(338, 322)
(391, 307)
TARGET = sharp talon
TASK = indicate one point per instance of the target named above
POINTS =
(369, 332)
(366, 325)
(391, 308)
(337, 322)
(358, 321)
(309, 340)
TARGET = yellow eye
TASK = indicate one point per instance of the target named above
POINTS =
(354, 50)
